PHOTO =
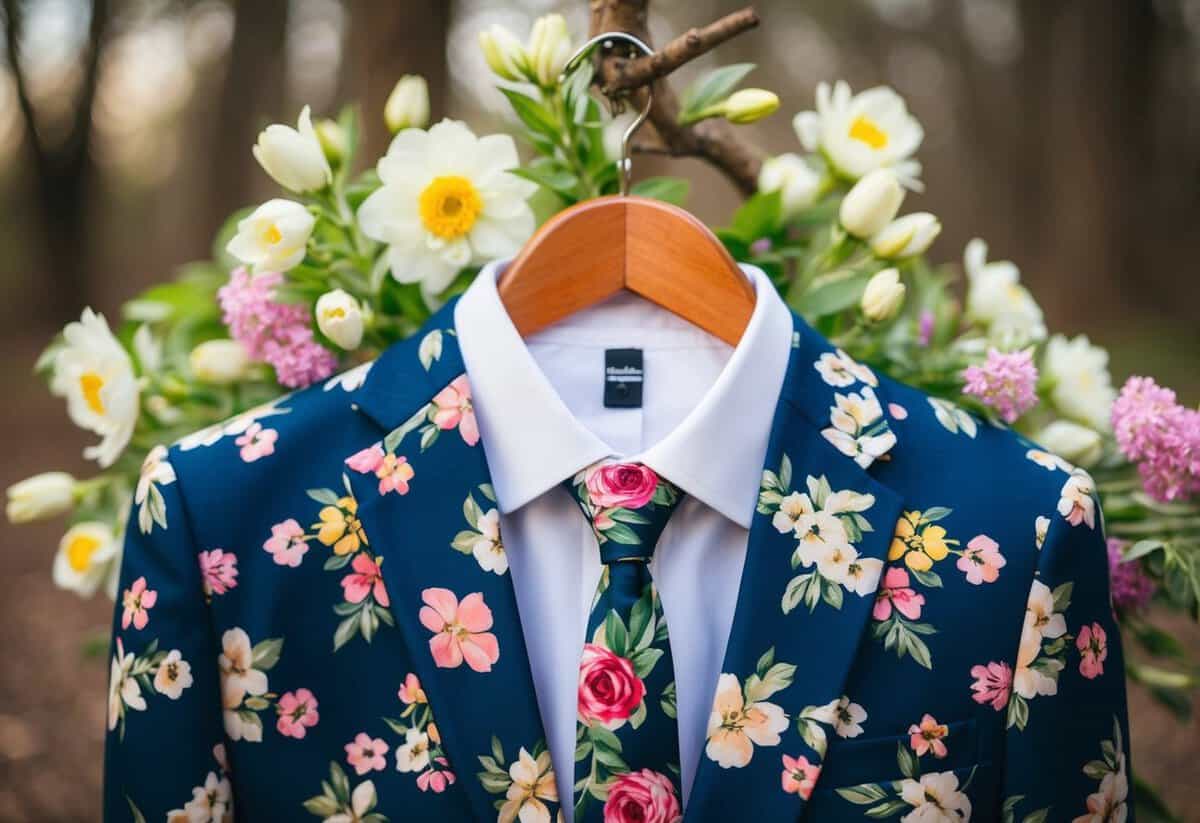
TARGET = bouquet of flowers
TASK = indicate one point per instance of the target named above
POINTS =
(350, 260)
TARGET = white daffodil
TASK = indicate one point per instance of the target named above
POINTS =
(871, 204)
(333, 140)
(94, 372)
(797, 182)
(1081, 386)
(219, 361)
(883, 296)
(906, 236)
(859, 133)
(274, 237)
(85, 558)
(548, 50)
(1073, 442)
(997, 300)
(340, 318)
(407, 106)
(447, 201)
(294, 157)
(44, 495)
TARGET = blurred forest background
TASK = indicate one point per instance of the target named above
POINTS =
(1065, 132)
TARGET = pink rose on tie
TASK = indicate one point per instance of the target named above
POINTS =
(609, 690)
(642, 797)
(621, 485)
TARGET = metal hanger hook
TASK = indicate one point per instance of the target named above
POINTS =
(607, 40)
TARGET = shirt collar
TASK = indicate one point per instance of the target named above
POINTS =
(532, 441)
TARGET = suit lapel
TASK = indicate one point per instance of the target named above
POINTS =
(424, 496)
(816, 550)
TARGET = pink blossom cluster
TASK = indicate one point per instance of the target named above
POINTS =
(1161, 436)
(279, 334)
(1132, 588)
(1005, 382)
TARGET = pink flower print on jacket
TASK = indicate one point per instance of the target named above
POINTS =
(136, 602)
(393, 471)
(297, 713)
(993, 684)
(287, 544)
(1092, 643)
(365, 580)
(928, 736)
(897, 593)
(620, 485)
(453, 409)
(257, 442)
(218, 571)
(799, 776)
(981, 560)
(460, 630)
(366, 754)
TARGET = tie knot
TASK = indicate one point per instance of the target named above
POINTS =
(628, 506)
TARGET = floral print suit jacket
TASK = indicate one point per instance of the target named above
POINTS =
(316, 619)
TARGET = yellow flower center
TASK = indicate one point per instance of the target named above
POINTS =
(337, 312)
(80, 551)
(450, 205)
(867, 131)
(271, 234)
(90, 384)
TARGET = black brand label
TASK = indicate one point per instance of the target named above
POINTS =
(623, 378)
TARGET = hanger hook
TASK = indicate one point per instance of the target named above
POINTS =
(606, 41)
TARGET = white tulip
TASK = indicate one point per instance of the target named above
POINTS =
(274, 237)
(503, 52)
(44, 495)
(871, 204)
(293, 157)
(333, 140)
(883, 296)
(796, 181)
(340, 318)
(997, 300)
(219, 361)
(548, 50)
(906, 236)
(407, 106)
(1081, 386)
(86, 558)
(1072, 442)
(748, 105)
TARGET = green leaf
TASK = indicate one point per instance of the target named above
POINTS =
(863, 794)
(327, 497)
(265, 653)
(785, 473)
(833, 292)
(907, 761)
(533, 114)
(337, 561)
(934, 513)
(553, 177)
(673, 190)
(643, 661)
(711, 88)
(639, 715)
(759, 216)
(615, 635)
(345, 631)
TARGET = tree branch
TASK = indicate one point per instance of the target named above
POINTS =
(711, 140)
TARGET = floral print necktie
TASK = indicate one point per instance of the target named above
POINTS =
(627, 736)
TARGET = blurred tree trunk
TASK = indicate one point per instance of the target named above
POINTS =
(397, 40)
(62, 166)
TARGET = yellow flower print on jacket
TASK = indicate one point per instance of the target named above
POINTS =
(919, 541)
(340, 528)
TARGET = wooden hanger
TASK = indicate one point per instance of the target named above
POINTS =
(598, 247)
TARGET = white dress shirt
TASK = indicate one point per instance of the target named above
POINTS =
(704, 423)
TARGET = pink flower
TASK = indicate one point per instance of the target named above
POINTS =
(218, 571)
(1161, 436)
(394, 473)
(366, 579)
(257, 442)
(297, 713)
(925, 327)
(287, 545)
(621, 485)
(1092, 643)
(993, 683)
(460, 630)
(643, 796)
(279, 334)
(437, 777)
(366, 754)
(411, 692)
(896, 593)
(609, 689)
(1132, 588)
(981, 560)
(1006, 382)
(367, 460)
(799, 776)
(928, 735)
(136, 600)
(454, 409)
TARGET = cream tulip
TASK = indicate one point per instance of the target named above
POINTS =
(340, 318)
(548, 50)
(871, 204)
(748, 105)
(1080, 383)
(274, 237)
(293, 157)
(333, 140)
(883, 296)
(503, 52)
(1074, 443)
(39, 497)
(407, 106)
(219, 361)
(85, 559)
(797, 182)
(906, 236)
